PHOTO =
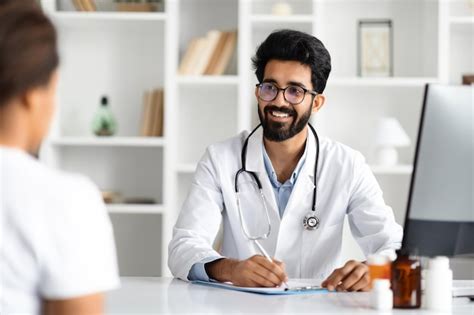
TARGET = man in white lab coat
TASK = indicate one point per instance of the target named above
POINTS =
(292, 69)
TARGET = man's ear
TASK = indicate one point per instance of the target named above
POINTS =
(318, 102)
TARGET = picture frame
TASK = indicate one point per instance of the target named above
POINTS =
(375, 48)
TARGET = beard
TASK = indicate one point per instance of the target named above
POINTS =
(278, 131)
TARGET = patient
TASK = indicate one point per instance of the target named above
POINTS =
(57, 252)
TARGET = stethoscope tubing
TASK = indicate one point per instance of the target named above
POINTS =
(244, 170)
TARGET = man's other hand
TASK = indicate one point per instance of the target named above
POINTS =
(353, 276)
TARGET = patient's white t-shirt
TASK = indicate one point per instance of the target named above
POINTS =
(56, 239)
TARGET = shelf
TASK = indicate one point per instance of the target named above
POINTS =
(375, 82)
(467, 20)
(209, 80)
(186, 168)
(462, 25)
(110, 141)
(268, 18)
(135, 208)
(392, 170)
(116, 16)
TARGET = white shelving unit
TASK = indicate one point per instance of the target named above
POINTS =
(112, 141)
(186, 168)
(458, 34)
(394, 170)
(267, 18)
(119, 54)
(382, 82)
(135, 208)
(122, 54)
(209, 80)
(118, 16)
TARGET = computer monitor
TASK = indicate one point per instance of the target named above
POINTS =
(440, 213)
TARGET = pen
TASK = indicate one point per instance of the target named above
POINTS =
(265, 254)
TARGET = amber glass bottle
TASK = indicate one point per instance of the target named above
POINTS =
(406, 281)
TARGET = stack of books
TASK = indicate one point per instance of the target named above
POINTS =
(149, 6)
(85, 5)
(153, 111)
(209, 55)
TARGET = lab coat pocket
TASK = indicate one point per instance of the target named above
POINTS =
(321, 250)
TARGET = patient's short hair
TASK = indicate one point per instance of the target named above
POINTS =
(28, 48)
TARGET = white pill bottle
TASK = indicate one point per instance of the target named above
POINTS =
(438, 285)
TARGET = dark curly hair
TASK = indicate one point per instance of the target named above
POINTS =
(296, 46)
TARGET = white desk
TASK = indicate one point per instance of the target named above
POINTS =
(171, 296)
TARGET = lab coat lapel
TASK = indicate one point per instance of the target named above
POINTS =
(254, 163)
(289, 244)
(304, 185)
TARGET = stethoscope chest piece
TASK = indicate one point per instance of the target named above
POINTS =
(311, 221)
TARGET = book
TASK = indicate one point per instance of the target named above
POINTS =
(139, 200)
(146, 118)
(89, 5)
(196, 54)
(212, 39)
(226, 54)
(136, 7)
(211, 67)
(78, 5)
(151, 125)
(186, 62)
(153, 113)
(158, 118)
(209, 55)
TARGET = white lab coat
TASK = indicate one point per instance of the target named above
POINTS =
(346, 186)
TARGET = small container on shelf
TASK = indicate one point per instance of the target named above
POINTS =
(104, 123)
(110, 196)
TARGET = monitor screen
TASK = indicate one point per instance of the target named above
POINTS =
(440, 214)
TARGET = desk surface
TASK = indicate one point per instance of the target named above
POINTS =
(172, 296)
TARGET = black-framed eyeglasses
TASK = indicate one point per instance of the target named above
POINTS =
(293, 94)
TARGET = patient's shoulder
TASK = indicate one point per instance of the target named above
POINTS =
(32, 186)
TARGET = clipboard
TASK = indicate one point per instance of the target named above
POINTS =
(295, 287)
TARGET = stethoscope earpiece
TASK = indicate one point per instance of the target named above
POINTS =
(311, 221)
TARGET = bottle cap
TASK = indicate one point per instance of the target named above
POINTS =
(381, 284)
(377, 260)
(439, 263)
(408, 252)
(104, 100)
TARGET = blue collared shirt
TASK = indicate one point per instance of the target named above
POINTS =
(282, 195)
(282, 191)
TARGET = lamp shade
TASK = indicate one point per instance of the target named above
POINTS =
(389, 133)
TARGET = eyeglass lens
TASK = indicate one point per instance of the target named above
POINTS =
(292, 93)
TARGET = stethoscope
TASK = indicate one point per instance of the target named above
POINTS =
(311, 220)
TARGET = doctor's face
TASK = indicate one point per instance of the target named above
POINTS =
(281, 118)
